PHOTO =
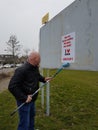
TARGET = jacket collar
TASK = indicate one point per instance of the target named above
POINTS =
(30, 65)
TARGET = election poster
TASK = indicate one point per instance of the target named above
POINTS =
(68, 48)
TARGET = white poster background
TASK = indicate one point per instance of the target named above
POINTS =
(68, 48)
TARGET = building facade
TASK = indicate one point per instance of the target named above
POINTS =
(6, 59)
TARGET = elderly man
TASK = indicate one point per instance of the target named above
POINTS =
(23, 84)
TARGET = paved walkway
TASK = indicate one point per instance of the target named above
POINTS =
(4, 84)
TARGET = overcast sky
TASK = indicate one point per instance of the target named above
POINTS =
(23, 19)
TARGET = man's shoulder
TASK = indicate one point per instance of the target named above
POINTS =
(21, 68)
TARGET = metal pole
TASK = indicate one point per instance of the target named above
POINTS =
(48, 96)
(42, 93)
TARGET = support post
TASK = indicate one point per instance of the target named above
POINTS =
(42, 93)
(48, 96)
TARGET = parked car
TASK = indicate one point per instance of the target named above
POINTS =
(6, 66)
(17, 65)
(12, 65)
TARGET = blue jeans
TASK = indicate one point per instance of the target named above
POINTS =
(26, 116)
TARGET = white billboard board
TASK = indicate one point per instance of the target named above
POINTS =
(80, 17)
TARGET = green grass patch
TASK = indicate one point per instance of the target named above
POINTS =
(73, 104)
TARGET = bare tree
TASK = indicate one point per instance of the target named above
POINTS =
(13, 47)
(26, 51)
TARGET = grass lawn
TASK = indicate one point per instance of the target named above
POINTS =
(73, 104)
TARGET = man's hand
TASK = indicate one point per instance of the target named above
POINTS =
(48, 78)
(29, 99)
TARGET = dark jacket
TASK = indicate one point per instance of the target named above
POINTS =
(25, 81)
